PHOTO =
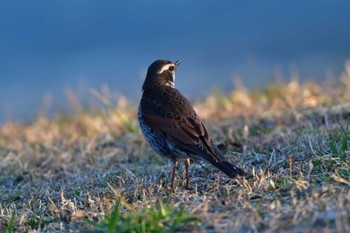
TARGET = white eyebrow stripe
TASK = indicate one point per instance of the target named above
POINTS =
(165, 67)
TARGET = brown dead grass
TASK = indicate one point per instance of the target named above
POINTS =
(56, 172)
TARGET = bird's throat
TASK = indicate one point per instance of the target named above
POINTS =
(171, 81)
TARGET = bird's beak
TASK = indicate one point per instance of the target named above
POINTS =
(177, 62)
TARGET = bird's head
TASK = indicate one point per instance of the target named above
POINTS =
(159, 74)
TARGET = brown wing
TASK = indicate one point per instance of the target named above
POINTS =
(188, 135)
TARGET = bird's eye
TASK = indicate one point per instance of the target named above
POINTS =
(171, 68)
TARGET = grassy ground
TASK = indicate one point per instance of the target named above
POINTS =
(94, 172)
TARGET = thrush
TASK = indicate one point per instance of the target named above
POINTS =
(172, 127)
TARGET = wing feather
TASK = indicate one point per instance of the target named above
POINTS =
(189, 135)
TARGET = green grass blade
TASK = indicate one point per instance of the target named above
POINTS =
(10, 224)
(334, 147)
(345, 145)
(113, 221)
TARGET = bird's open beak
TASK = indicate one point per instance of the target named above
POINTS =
(177, 62)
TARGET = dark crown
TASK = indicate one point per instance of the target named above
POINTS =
(155, 78)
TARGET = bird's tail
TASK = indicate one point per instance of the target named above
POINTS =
(229, 169)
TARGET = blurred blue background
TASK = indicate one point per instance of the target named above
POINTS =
(47, 46)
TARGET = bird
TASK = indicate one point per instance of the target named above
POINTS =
(171, 126)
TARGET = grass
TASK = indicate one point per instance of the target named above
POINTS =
(94, 172)
(10, 224)
(151, 218)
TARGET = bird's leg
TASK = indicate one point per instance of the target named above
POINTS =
(173, 175)
(187, 163)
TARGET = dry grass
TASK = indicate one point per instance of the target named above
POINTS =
(94, 172)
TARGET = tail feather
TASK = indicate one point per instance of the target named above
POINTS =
(229, 169)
